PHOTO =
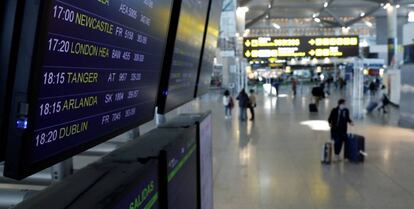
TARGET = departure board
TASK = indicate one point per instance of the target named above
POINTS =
(98, 75)
(182, 173)
(126, 186)
(210, 47)
(186, 55)
(143, 191)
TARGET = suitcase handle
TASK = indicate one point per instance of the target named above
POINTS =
(363, 153)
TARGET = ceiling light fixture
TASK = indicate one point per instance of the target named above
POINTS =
(242, 10)
(326, 4)
(387, 5)
(362, 14)
(275, 25)
(315, 15)
(317, 20)
(369, 24)
(397, 6)
(269, 6)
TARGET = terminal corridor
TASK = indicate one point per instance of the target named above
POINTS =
(274, 162)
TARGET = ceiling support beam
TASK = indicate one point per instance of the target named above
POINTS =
(355, 20)
(261, 16)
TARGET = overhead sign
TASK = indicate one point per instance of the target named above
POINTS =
(305, 46)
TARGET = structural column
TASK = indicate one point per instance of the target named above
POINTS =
(392, 26)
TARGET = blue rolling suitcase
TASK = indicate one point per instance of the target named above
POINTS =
(326, 155)
(355, 148)
(313, 108)
(371, 107)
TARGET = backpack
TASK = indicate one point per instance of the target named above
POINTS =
(231, 102)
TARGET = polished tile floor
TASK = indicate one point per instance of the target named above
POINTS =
(274, 162)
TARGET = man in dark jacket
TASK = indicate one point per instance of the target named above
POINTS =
(338, 121)
(243, 104)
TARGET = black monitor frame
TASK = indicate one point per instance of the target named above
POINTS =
(186, 120)
(108, 192)
(168, 60)
(25, 93)
(203, 48)
(11, 17)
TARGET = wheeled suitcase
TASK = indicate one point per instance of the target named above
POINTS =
(354, 149)
(371, 107)
(313, 108)
(326, 155)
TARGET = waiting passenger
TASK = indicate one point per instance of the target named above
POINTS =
(252, 103)
(228, 104)
(243, 104)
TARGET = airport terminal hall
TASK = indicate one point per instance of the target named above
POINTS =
(206, 104)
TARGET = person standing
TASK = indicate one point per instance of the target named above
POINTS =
(228, 104)
(338, 121)
(243, 104)
(252, 103)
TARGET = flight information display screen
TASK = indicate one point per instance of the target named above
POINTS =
(206, 163)
(187, 51)
(210, 47)
(7, 22)
(99, 71)
(182, 174)
(143, 193)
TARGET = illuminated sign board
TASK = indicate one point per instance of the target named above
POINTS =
(95, 74)
(306, 46)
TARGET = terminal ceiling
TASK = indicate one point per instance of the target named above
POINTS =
(260, 9)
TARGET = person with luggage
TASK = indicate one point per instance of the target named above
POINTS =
(338, 121)
(243, 99)
(228, 104)
(252, 103)
(384, 100)
(318, 93)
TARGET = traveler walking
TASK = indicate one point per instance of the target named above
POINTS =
(384, 100)
(338, 121)
(243, 99)
(228, 104)
(372, 88)
(275, 83)
(252, 103)
(294, 86)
